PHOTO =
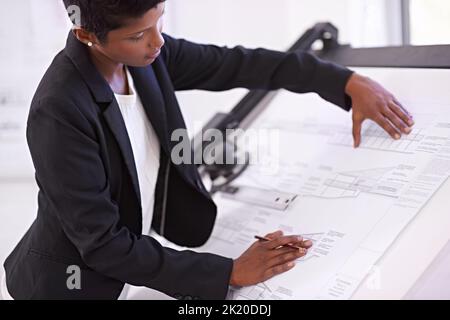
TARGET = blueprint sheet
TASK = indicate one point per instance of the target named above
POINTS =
(353, 204)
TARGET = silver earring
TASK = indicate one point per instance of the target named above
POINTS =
(90, 44)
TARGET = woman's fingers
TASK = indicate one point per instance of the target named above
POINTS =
(388, 127)
(304, 243)
(401, 113)
(286, 250)
(278, 269)
(398, 122)
(297, 241)
(281, 241)
(307, 244)
(274, 235)
(357, 124)
(281, 256)
(401, 110)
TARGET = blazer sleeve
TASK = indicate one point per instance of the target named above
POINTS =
(71, 173)
(214, 68)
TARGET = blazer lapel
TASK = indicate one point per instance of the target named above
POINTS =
(103, 95)
(115, 121)
(153, 102)
(161, 107)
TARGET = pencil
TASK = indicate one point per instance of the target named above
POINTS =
(288, 245)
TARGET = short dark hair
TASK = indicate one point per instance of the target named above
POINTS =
(102, 16)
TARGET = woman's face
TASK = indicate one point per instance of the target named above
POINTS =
(139, 42)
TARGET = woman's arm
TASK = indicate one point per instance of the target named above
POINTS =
(209, 67)
(72, 175)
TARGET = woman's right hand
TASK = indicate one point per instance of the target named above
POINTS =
(263, 260)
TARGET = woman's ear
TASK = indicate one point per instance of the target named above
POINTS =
(84, 36)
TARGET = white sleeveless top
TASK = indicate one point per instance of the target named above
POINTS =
(146, 151)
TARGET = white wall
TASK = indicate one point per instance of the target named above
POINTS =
(275, 25)
(31, 33)
(430, 22)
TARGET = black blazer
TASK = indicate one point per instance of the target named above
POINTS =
(89, 200)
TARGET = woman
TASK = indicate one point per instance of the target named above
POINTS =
(98, 132)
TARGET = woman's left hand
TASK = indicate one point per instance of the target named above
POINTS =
(371, 101)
